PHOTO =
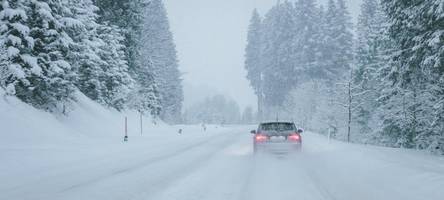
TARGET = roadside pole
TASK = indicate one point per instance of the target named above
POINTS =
(125, 139)
(141, 124)
(329, 135)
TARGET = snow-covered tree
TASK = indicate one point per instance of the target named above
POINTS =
(48, 21)
(278, 54)
(339, 39)
(344, 31)
(129, 16)
(372, 46)
(159, 50)
(303, 111)
(253, 59)
(307, 40)
(418, 38)
(116, 80)
(83, 51)
(335, 63)
(97, 54)
(145, 100)
(18, 66)
(52, 48)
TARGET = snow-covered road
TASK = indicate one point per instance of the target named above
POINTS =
(216, 165)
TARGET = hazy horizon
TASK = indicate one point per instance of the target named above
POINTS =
(211, 36)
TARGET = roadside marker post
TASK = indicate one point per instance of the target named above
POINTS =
(125, 139)
(141, 124)
(329, 135)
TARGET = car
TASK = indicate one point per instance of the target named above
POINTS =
(280, 137)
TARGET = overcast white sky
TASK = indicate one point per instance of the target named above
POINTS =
(211, 36)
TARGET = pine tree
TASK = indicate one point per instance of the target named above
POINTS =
(343, 28)
(400, 127)
(98, 57)
(83, 51)
(416, 69)
(338, 56)
(336, 63)
(430, 52)
(329, 43)
(129, 16)
(323, 50)
(18, 66)
(116, 80)
(253, 58)
(306, 43)
(279, 73)
(55, 89)
(160, 51)
(145, 99)
(371, 49)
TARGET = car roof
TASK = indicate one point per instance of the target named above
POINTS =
(277, 123)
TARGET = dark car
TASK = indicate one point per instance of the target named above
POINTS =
(277, 137)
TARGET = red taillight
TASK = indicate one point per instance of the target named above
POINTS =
(294, 137)
(260, 138)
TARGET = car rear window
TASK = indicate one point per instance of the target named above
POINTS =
(277, 127)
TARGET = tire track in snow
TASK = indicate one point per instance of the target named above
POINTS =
(305, 184)
(162, 180)
(248, 179)
(326, 194)
(221, 177)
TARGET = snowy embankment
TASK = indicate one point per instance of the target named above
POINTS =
(37, 146)
(83, 157)
(24, 126)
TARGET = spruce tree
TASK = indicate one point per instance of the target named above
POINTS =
(343, 29)
(116, 80)
(18, 66)
(129, 16)
(253, 58)
(338, 43)
(55, 89)
(160, 51)
(306, 41)
(336, 63)
(279, 73)
(416, 30)
(330, 44)
(371, 49)
(83, 52)
(96, 54)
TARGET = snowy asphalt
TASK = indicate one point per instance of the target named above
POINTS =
(218, 166)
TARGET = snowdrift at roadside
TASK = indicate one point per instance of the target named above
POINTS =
(23, 125)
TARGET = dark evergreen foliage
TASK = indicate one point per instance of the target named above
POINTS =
(52, 49)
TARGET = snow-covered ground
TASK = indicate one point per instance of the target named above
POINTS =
(43, 157)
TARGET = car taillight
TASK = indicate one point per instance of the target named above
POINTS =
(294, 138)
(260, 138)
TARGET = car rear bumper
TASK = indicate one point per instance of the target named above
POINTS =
(277, 147)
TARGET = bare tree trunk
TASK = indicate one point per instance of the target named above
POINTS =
(260, 100)
(350, 102)
(349, 110)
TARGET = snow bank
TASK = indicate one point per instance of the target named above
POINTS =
(22, 125)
